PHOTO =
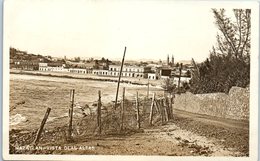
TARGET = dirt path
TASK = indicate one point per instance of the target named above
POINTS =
(228, 123)
(233, 135)
(166, 140)
(186, 135)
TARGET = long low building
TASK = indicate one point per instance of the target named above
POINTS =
(100, 72)
(128, 71)
(114, 70)
(62, 68)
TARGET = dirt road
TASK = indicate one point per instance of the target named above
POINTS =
(231, 134)
(186, 135)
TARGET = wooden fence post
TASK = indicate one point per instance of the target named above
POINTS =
(38, 135)
(171, 97)
(151, 110)
(148, 88)
(122, 110)
(157, 106)
(138, 114)
(179, 81)
(120, 73)
(162, 111)
(72, 92)
(167, 102)
(99, 112)
(166, 111)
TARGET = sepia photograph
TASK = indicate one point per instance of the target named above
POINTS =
(135, 80)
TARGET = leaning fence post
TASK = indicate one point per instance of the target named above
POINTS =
(138, 114)
(72, 92)
(38, 135)
(171, 97)
(119, 77)
(162, 111)
(99, 112)
(122, 110)
(157, 106)
(167, 107)
(166, 111)
(151, 110)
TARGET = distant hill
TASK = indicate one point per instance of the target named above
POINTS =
(19, 55)
(184, 62)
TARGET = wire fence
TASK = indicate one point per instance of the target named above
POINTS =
(128, 116)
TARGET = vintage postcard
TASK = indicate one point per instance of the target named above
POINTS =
(130, 80)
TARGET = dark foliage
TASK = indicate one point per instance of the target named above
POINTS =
(229, 62)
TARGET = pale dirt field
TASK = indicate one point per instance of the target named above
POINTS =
(186, 135)
(31, 95)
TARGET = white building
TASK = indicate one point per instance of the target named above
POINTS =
(183, 79)
(152, 76)
(100, 72)
(128, 71)
(78, 70)
(45, 67)
(165, 77)
(62, 68)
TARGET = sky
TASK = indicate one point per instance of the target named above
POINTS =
(92, 28)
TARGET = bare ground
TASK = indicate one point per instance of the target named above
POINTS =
(186, 135)
(182, 136)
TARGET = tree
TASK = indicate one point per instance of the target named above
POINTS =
(96, 65)
(234, 40)
(168, 85)
(229, 61)
(103, 60)
(177, 64)
(77, 59)
(188, 74)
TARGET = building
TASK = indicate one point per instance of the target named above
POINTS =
(182, 80)
(78, 70)
(153, 76)
(52, 68)
(24, 64)
(100, 72)
(130, 71)
(63, 68)
(168, 63)
(165, 72)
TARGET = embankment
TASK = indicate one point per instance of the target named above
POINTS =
(234, 105)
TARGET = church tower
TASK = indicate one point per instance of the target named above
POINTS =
(168, 60)
(172, 61)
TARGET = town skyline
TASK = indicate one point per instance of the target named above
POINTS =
(102, 29)
(163, 59)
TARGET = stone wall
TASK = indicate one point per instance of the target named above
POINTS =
(234, 105)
